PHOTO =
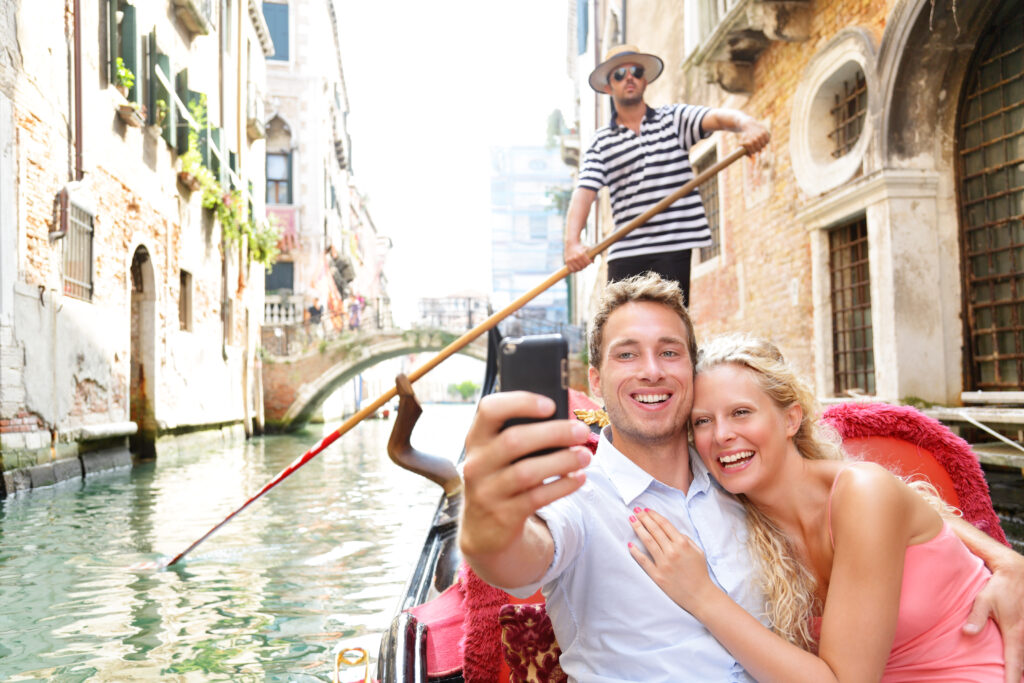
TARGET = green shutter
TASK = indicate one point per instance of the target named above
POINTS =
(181, 124)
(288, 198)
(112, 50)
(130, 50)
(215, 159)
(158, 91)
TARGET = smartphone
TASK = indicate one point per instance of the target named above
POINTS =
(537, 363)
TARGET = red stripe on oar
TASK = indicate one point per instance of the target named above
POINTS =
(296, 464)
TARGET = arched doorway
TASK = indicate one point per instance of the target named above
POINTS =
(990, 154)
(143, 365)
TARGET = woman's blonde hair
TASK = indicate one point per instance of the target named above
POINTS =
(786, 582)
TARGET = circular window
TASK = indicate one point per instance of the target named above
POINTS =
(831, 126)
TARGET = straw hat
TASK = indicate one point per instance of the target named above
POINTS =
(624, 54)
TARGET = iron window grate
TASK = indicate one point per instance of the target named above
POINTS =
(709, 194)
(852, 342)
(992, 211)
(77, 253)
(848, 115)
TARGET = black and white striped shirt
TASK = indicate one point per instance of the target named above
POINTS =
(640, 170)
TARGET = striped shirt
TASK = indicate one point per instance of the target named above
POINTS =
(641, 170)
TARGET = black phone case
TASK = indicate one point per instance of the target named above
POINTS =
(538, 363)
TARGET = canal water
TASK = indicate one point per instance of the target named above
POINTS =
(320, 560)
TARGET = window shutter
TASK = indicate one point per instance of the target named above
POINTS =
(181, 125)
(288, 193)
(112, 50)
(216, 164)
(158, 91)
(130, 50)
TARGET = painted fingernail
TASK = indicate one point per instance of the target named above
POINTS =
(647, 509)
(636, 510)
(632, 518)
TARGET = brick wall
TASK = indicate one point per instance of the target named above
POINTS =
(762, 284)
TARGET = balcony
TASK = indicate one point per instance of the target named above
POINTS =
(254, 113)
(733, 33)
(197, 15)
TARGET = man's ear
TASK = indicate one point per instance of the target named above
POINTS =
(607, 89)
(594, 375)
(794, 416)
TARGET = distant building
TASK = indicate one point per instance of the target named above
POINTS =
(527, 228)
(309, 185)
(126, 308)
(458, 312)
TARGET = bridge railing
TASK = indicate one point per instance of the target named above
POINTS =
(286, 333)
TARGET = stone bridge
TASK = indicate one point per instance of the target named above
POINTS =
(295, 385)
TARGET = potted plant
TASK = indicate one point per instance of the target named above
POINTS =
(160, 115)
(124, 79)
(191, 162)
(132, 114)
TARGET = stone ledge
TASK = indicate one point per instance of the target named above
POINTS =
(108, 459)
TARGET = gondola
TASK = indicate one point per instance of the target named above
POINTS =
(450, 626)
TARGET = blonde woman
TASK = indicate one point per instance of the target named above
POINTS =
(865, 580)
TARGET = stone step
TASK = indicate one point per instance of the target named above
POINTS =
(998, 453)
(1000, 418)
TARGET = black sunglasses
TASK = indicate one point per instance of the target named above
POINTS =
(620, 73)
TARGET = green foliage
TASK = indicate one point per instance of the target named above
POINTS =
(465, 389)
(559, 195)
(161, 111)
(123, 76)
(322, 346)
(916, 402)
(227, 204)
(556, 128)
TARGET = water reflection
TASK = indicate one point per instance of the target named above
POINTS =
(318, 560)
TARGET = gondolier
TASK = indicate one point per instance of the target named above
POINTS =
(642, 155)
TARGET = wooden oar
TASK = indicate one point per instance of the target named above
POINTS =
(468, 337)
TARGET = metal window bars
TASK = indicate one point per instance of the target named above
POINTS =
(852, 343)
(709, 195)
(78, 252)
(992, 212)
(848, 115)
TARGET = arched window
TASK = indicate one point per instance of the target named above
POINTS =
(991, 184)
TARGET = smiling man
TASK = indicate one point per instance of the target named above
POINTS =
(540, 522)
(611, 621)
(642, 156)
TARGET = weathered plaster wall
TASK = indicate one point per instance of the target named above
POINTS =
(66, 362)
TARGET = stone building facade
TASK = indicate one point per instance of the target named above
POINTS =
(125, 309)
(878, 239)
(310, 187)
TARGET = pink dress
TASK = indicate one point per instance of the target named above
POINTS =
(940, 581)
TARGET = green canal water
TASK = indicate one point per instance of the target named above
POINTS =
(318, 561)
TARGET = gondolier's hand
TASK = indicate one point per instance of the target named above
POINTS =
(753, 135)
(1003, 600)
(576, 257)
(498, 534)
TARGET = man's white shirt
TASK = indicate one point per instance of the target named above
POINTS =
(612, 621)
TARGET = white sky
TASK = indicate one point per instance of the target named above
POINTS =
(431, 87)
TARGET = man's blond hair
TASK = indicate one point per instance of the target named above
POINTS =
(647, 287)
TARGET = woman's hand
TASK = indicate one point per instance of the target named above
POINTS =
(676, 564)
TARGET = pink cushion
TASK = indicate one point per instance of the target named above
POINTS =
(443, 617)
